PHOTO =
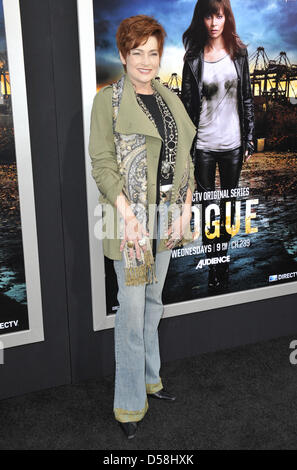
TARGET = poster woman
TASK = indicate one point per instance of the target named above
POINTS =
(139, 145)
(216, 92)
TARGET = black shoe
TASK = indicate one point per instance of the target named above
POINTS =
(213, 280)
(162, 395)
(129, 429)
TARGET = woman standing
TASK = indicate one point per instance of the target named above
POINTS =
(216, 92)
(139, 145)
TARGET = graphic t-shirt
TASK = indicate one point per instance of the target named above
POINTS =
(219, 125)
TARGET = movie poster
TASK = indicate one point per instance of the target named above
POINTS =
(13, 297)
(261, 250)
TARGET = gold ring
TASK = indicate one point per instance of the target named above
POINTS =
(130, 244)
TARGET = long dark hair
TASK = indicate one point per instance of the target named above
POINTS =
(195, 37)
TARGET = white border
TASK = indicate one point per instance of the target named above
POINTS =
(100, 319)
(14, 43)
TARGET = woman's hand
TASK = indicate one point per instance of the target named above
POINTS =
(249, 151)
(177, 229)
(133, 229)
(247, 156)
(133, 232)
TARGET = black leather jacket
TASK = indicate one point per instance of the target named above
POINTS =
(192, 93)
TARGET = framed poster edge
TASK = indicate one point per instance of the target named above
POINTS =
(88, 80)
(232, 298)
(18, 338)
(13, 30)
(210, 303)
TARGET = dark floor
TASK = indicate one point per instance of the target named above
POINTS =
(241, 398)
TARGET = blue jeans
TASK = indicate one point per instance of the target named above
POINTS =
(136, 340)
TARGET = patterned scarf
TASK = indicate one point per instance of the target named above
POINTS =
(132, 160)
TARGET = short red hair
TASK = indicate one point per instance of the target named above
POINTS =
(134, 31)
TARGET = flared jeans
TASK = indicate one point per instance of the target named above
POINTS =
(137, 353)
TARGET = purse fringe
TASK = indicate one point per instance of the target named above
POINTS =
(143, 274)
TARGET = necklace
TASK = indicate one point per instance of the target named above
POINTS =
(170, 132)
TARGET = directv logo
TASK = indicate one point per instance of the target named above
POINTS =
(281, 277)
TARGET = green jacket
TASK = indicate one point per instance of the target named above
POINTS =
(131, 119)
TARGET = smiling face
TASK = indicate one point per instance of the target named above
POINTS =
(142, 64)
(214, 24)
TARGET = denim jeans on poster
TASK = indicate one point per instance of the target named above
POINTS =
(136, 339)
